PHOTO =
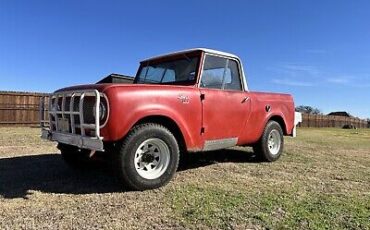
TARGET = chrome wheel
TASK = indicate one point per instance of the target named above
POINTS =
(274, 142)
(152, 158)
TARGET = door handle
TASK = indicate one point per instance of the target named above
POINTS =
(245, 99)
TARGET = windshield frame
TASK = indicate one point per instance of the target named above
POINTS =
(174, 57)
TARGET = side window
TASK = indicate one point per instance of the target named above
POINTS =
(232, 81)
(213, 72)
(220, 73)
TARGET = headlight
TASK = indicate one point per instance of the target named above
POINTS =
(54, 106)
(89, 110)
(102, 111)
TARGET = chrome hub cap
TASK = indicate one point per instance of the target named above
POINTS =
(274, 142)
(152, 158)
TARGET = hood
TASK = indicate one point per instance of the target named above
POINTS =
(99, 87)
(104, 87)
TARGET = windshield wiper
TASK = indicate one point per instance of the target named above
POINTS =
(164, 73)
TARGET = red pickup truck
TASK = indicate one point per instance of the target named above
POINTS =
(189, 101)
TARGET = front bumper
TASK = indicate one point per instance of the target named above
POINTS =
(91, 143)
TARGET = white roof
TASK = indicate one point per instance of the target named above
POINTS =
(195, 49)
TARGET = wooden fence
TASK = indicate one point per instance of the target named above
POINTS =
(20, 108)
(323, 121)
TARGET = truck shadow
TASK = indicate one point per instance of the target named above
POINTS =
(203, 159)
(21, 176)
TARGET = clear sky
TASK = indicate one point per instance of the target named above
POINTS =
(319, 51)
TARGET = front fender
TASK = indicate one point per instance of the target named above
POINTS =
(159, 110)
(128, 107)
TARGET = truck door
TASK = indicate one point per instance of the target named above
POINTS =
(226, 106)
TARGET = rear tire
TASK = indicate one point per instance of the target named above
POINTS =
(74, 157)
(148, 157)
(271, 145)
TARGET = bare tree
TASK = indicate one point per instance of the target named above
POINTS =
(307, 109)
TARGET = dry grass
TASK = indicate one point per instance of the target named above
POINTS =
(322, 181)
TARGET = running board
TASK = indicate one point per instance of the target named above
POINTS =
(211, 145)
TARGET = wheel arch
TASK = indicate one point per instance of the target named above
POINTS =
(280, 120)
(170, 124)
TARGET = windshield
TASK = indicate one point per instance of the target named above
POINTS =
(178, 71)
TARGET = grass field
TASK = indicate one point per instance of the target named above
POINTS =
(321, 182)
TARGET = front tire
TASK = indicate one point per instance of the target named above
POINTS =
(271, 145)
(148, 157)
